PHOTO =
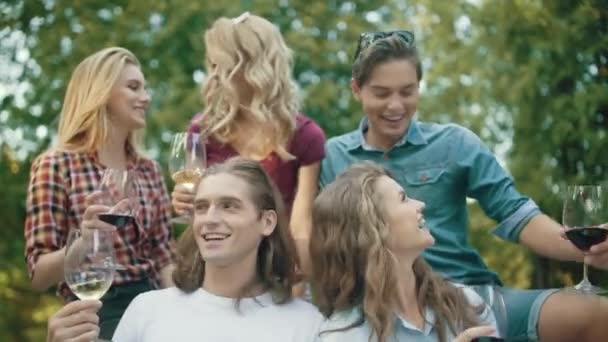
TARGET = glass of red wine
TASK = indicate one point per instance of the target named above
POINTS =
(118, 192)
(585, 218)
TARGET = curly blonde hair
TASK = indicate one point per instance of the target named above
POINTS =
(353, 266)
(83, 123)
(250, 52)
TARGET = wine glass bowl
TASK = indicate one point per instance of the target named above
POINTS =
(584, 217)
(119, 192)
(89, 262)
(187, 162)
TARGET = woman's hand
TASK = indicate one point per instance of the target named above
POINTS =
(472, 333)
(182, 199)
(90, 218)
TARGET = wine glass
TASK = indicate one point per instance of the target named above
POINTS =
(585, 215)
(494, 300)
(119, 192)
(187, 162)
(89, 263)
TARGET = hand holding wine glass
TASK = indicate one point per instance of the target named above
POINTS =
(187, 162)
(118, 192)
(90, 218)
(89, 262)
(585, 214)
(76, 321)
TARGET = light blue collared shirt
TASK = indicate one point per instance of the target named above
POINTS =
(442, 165)
(403, 330)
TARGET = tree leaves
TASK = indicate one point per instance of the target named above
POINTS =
(530, 77)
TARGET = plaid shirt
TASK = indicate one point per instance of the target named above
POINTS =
(59, 184)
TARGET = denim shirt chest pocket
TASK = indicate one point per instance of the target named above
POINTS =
(427, 175)
(427, 184)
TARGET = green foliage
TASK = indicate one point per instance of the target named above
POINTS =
(530, 77)
(167, 37)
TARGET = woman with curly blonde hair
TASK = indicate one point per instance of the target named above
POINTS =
(368, 277)
(252, 110)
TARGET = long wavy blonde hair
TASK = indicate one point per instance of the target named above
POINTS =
(251, 52)
(83, 122)
(353, 266)
(276, 259)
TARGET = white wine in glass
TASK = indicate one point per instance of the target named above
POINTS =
(188, 178)
(187, 162)
(89, 262)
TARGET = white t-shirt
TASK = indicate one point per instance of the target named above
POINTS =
(172, 315)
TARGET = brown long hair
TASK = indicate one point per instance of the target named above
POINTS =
(352, 265)
(276, 260)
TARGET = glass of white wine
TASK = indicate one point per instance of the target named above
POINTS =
(89, 263)
(187, 162)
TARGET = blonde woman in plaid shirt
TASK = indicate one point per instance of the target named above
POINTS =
(105, 104)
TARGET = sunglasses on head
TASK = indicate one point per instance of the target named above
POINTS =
(368, 38)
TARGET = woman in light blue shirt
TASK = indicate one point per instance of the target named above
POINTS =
(368, 277)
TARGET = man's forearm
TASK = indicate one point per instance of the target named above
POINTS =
(542, 235)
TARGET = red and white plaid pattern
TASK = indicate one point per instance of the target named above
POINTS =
(59, 184)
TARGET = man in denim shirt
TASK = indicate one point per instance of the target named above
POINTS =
(442, 165)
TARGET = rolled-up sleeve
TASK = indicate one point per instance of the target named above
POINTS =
(45, 217)
(510, 228)
(490, 184)
(327, 174)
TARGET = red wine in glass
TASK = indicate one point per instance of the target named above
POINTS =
(585, 237)
(117, 220)
(584, 215)
(119, 194)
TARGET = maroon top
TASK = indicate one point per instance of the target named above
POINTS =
(307, 146)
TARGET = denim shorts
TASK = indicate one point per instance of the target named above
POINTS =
(523, 312)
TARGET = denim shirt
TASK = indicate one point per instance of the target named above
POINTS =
(403, 330)
(442, 165)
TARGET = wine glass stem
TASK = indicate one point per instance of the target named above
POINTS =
(585, 281)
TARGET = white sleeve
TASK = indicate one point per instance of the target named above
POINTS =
(319, 319)
(130, 326)
(487, 316)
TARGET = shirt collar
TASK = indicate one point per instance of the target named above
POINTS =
(413, 136)
(133, 157)
(429, 321)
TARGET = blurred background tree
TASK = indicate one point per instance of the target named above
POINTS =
(530, 77)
